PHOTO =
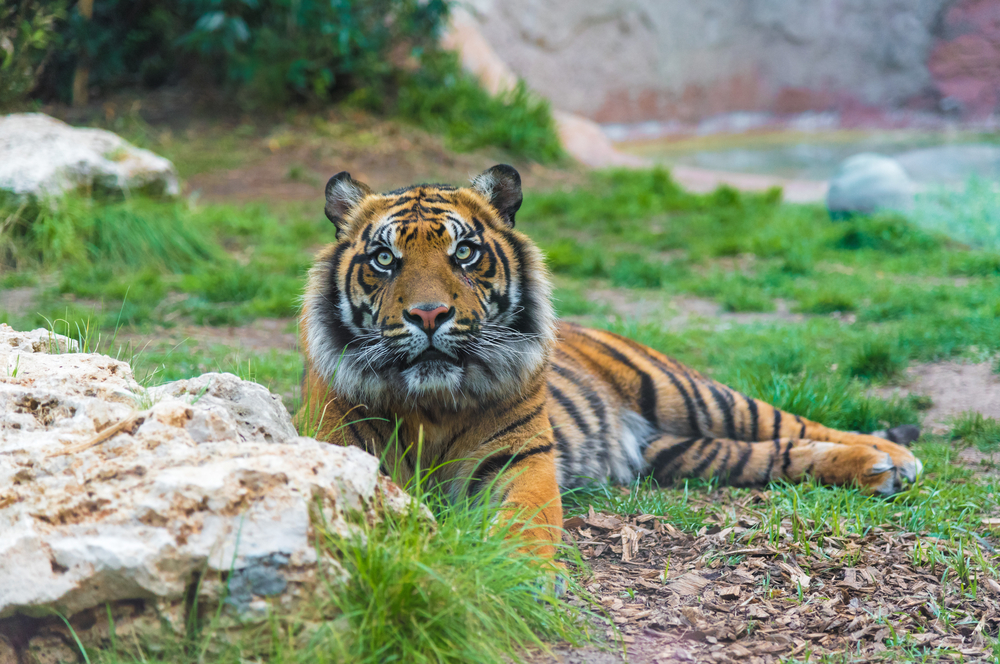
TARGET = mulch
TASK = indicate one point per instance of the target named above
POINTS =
(713, 597)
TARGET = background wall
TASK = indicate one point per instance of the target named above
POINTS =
(636, 60)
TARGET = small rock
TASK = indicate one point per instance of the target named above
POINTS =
(867, 183)
(42, 156)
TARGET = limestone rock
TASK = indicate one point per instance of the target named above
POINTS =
(115, 496)
(42, 156)
(868, 182)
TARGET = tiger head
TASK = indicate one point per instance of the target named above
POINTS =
(428, 296)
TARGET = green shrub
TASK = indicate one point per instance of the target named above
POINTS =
(27, 35)
(380, 54)
(886, 232)
(442, 98)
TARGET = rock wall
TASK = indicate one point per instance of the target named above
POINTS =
(618, 61)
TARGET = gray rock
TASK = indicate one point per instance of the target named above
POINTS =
(108, 503)
(42, 156)
(866, 183)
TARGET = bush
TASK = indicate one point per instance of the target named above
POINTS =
(273, 51)
(886, 232)
(442, 98)
(379, 54)
(26, 37)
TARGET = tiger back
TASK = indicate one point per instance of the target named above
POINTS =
(430, 341)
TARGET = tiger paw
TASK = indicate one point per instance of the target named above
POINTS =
(882, 469)
(897, 460)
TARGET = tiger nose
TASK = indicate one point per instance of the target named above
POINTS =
(429, 316)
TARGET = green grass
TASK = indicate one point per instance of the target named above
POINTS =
(974, 429)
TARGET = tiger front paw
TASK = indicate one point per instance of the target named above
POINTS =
(880, 468)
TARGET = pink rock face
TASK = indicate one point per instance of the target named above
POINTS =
(966, 67)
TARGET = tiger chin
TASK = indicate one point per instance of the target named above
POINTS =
(428, 328)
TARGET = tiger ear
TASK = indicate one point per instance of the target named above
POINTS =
(501, 186)
(343, 193)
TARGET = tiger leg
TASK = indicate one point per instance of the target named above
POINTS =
(531, 498)
(739, 417)
(902, 458)
(743, 463)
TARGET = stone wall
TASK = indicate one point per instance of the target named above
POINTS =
(637, 60)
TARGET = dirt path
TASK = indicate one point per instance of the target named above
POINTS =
(953, 388)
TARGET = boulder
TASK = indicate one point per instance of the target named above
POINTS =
(42, 156)
(868, 182)
(141, 504)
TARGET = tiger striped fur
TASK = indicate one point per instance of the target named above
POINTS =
(427, 326)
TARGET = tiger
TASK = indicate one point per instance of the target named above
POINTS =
(430, 340)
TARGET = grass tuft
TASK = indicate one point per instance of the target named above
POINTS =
(974, 429)
(876, 360)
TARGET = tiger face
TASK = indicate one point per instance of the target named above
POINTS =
(428, 296)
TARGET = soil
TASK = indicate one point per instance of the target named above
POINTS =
(717, 596)
(676, 312)
(262, 334)
(954, 388)
(289, 157)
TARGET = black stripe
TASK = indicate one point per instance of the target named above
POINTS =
(515, 425)
(667, 456)
(802, 434)
(777, 424)
(647, 389)
(725, 460)
(599, 408)
(741, 463)
(771, 458)
(707, 461)
(752, 406)
(498, 462)
(787, 459)
(688, 404)
(570, 409)
(727, 411)
(701, 402)
(562, 445)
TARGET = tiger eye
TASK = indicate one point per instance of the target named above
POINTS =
(384, 258)
(463, 251)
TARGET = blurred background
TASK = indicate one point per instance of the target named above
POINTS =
(770, 189)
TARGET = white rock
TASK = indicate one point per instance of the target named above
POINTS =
(42, 156)
(211, 481)
(867, 183)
